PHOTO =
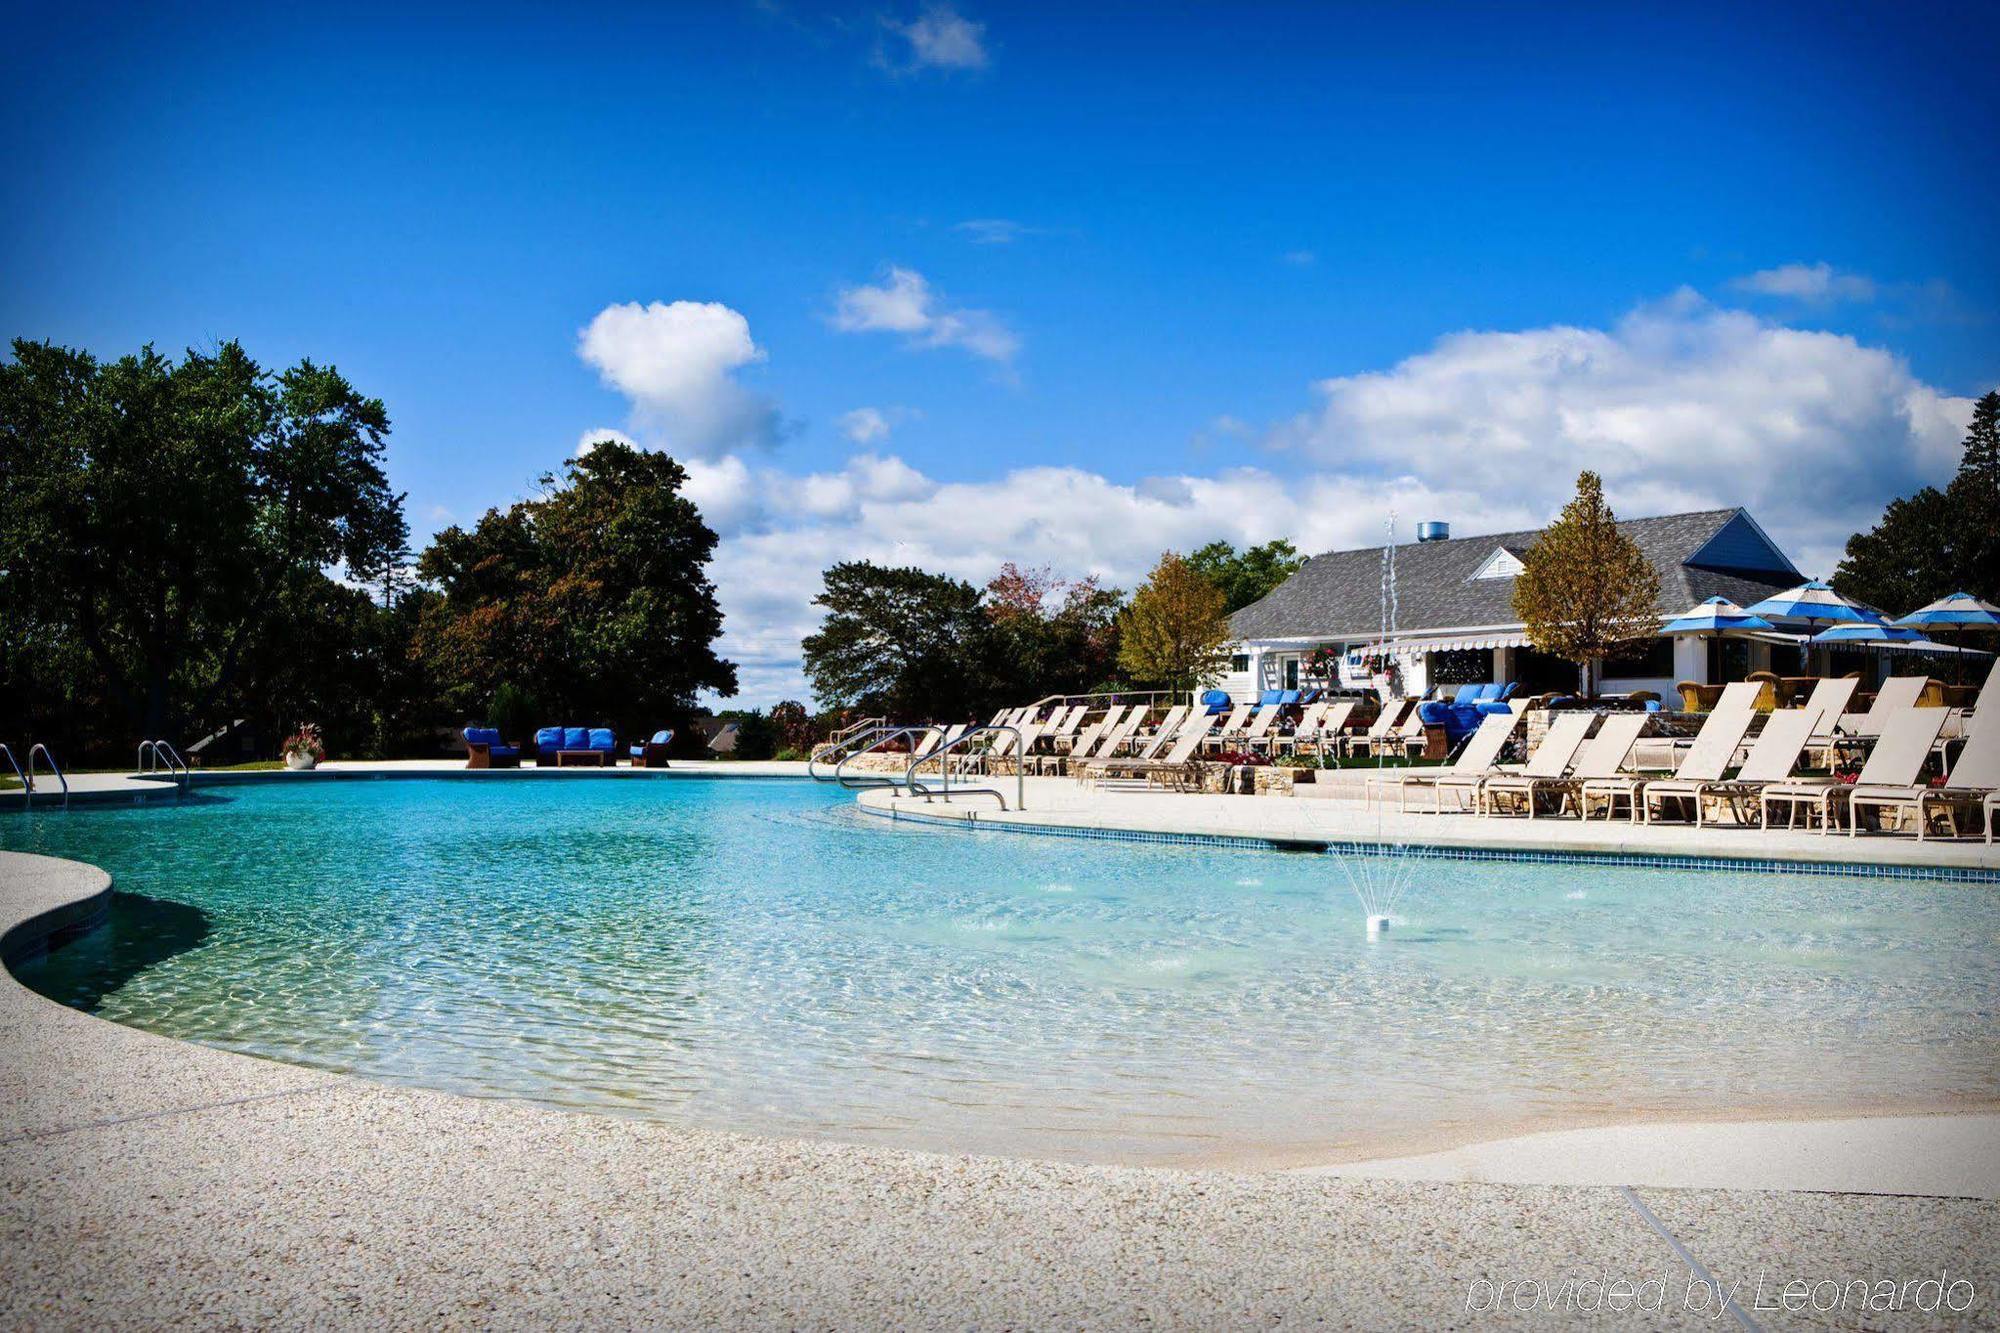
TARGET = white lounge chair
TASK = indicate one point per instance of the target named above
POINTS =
(1974, 780)
(1773, 756)
(1898, 757)
(1711, 755)
(1475, 763)
(1602, 756)
(1550, 762)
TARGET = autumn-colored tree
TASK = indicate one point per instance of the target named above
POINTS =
(1585, 587)
(1174, 633)
(1049, 635)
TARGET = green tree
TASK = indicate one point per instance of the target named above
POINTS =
(1175, 633)
(1585, 587)
(594, 597)
(164, 520)
(1935, 542)
(902, 642)
(1249, 575)
(1050, 636)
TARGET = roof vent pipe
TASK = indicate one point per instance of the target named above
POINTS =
(1433, 532)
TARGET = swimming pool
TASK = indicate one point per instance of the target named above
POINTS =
(760, 956)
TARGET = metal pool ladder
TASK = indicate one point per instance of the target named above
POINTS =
(27, 776)
(158, 756)
(854, 742)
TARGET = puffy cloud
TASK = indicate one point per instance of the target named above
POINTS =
(1680, 405)
(676, 363)
(904, 302)
(941, 38)
(590, 439)
(1817, 283)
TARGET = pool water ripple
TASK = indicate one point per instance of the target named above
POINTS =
(759, 957)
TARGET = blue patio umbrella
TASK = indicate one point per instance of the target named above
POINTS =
(1814, 602)
(1717, 615)
(1961, 610)
(1870, 631)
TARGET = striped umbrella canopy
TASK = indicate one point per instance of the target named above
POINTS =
(1869, 631)
(1717, 615)
(1960, 610)
(1815, 603)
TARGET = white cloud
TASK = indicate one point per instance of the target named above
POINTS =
(941, 38)
(905, 303)
(1819, 284)
(865, 425)
(590, 439)
(676, 363)
(1680, 405)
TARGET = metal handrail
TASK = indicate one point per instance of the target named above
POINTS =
(40, 749)
(27, 783)
(154, 754)
(851, 745)
(854, 729)
(914, 788)
(881, 736)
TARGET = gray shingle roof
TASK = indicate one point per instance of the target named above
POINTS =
(1339, 595)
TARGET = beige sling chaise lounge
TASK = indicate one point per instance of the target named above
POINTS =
(1974, 780)
(1895, 762)
(1475, 763)
(1385, 721)
(1773, 756)
(1713, 751)
(1177, 770)
(1602, 756)
(1549, 763)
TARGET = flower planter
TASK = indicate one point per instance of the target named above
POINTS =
(300, 762)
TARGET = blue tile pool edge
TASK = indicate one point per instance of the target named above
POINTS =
(1436, 852)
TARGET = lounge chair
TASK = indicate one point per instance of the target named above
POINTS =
(1179, 769)
(1773, 756)
(652, 753)
(1602, 756)
(1897, 694)
(1321, 725)
(1711, 755)
(1228, 730)
(1475, 763)
(1893, 765)
(1385, 721)
(1974, 780)
(1260, 726)
(1549, 763)
(1086, 740)
(1406, 740)
(1164, 732)
(485, 749)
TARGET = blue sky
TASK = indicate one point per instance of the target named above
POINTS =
(957, 284)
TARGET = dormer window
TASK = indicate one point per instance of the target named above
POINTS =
(1502, 564)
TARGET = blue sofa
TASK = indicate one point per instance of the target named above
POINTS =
(1468, 706)
(485, 749)
(567, 746)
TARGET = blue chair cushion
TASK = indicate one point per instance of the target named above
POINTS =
(1487, 693)
(503, 751)
(663, 737)
(549, 738)
(1506, 691)
(1287, 697)
(602, 739)
(1215, 701)
(1466, 694)
(576, 738)
(1270, 697)
(1434, 713)
(636, 751)
(488, 736)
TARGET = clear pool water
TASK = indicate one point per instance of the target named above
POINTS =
(760, 956)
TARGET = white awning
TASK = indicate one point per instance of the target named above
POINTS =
(1495, 639)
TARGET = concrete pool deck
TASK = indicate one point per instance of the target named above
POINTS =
(147, 1180)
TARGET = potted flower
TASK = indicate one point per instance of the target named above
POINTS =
(302, 748)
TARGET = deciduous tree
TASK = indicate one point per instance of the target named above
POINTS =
(1585, 587)
(1249, 575)
(898, 641)
(1935, 542)
(1174, 634)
